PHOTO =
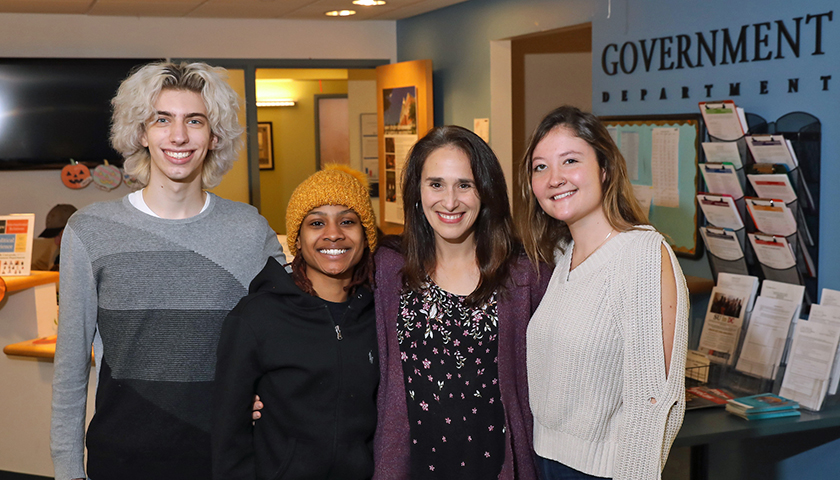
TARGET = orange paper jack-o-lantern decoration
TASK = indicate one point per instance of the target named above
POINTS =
(107, 177)
(75, 175)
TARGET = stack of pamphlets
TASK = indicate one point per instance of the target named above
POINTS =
(813, 367)
(763, 405)
(705, 397)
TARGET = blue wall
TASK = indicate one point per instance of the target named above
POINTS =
(457, 39)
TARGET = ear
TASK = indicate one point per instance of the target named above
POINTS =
(297, 243)
(214, 142)
(143, 140)
(603, 175)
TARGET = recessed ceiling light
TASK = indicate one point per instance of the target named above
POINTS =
(340, 13)
(369, 3)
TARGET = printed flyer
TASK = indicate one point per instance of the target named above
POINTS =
(16, 234)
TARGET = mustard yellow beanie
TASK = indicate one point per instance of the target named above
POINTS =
(334, 185)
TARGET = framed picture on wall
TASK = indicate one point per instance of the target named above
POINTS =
(265, 140)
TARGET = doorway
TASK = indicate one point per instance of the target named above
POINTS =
(548, 69)
(529, 76)
(332, 129)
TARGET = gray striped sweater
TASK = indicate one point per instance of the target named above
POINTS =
(150, 294)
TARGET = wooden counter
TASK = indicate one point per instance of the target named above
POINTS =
(699, 285)
(39, 347)
(29, 310)
(14, 284)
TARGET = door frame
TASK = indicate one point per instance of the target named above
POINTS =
(250, 66)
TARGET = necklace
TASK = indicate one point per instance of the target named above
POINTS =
(590, 253)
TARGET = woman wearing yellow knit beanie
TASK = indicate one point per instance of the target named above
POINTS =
(306, 344)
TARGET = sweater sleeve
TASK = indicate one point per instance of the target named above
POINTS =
(654, 405)
(76, 327)
(237, 374)
(273, 247)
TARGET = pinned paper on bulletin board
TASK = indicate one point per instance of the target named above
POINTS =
(662, 152)
(16, 235)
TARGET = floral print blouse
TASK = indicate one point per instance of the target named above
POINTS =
(449, 354)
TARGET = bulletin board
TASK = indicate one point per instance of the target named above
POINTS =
(678, 221)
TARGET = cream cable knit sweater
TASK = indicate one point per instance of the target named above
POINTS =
(596, 369)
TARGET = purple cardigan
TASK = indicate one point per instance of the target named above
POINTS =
(391, 443)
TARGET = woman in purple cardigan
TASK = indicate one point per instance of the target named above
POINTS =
(453, 300)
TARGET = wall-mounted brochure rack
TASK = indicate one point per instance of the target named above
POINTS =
(768, 230)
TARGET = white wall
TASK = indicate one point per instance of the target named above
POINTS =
(30, 35)
(361, 95)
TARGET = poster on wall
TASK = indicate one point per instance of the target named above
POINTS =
(370, 150)
(400, 133)
(16, 235)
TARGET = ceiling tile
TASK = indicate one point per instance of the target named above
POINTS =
(45, 6)
(288, 9)
(140, 8)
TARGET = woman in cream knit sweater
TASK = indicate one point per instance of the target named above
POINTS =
(607, 345)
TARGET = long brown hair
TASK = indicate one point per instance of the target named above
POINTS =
(494, 238)
(541, 233)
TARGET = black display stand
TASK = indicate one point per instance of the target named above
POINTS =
(805, 133)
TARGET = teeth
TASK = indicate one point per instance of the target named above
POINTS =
(562, 195)
(450, 217)
(179, 154)
(333, 251)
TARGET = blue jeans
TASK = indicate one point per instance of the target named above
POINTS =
(551, 470)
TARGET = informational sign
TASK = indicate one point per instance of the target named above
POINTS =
(16, 234)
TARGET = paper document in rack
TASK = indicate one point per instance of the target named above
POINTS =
(828, 314)
(783, 291)
(770, 149)
(725, 251)
(789, 292)
(830, 297)
(722, 326)
(665, 166)
(744, 285)
(723, 152)
(697, 366)
(771, 216)
(722, 120)
(776, 186)
(766, 337)
(722, 179)
(773, 251)
(808, 370)
(720, 211)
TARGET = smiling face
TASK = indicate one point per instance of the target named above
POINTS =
(566, 178)
(332, 242)
(178, 137)
(449, 195)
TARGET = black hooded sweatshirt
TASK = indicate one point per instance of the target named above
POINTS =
(317, 380)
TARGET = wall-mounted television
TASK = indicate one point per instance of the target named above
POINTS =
(55, 109)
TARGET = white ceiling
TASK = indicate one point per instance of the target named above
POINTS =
(287, 9)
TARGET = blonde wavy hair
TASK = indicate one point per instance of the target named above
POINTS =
(134, 108)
